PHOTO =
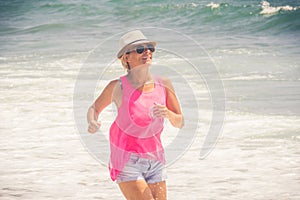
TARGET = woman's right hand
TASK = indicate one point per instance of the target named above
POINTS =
(94, 126)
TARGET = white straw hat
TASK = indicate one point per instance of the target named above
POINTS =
(132, 38)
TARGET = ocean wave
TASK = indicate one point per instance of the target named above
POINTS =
(246, 17)
(222, 17)
(250, 77)
(267, 9)
(44, 28)
(213, 5)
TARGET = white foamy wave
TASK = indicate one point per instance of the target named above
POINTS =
(213, 5)
(194, 5)
(267, 9)
(252, 77)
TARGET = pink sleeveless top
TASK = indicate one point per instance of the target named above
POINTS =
(134, 130)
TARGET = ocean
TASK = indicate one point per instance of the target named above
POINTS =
(235, 67)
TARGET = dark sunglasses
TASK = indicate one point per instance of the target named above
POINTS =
(141, 48)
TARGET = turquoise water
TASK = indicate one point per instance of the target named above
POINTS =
(250, 47)
(79, 21)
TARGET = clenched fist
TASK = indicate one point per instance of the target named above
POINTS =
(94, 126)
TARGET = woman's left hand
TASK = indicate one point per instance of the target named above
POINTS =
(160, 111)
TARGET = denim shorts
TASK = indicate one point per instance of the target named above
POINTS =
(152, 171)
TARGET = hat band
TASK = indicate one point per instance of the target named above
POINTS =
(137, 41)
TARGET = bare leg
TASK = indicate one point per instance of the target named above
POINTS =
(136, 190)
(159, 190)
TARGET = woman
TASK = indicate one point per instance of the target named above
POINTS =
(143, 100)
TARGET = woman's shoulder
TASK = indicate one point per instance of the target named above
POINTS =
(112, 84)
(166, 81)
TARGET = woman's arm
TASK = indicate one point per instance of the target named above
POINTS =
(105, 98)
(172, 110)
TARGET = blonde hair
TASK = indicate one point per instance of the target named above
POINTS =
(124, 61)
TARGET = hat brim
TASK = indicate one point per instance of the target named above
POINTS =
(125, 48)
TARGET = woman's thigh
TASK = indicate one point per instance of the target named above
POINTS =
(158, 190)
(136, 190)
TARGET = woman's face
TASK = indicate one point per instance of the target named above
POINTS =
(140, 55)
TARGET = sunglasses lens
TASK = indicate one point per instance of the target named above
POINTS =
(151, 47)
(140, 49)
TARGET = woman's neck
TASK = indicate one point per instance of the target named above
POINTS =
(140, 75)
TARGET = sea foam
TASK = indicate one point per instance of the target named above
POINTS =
(213, 5)
(267, 9)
